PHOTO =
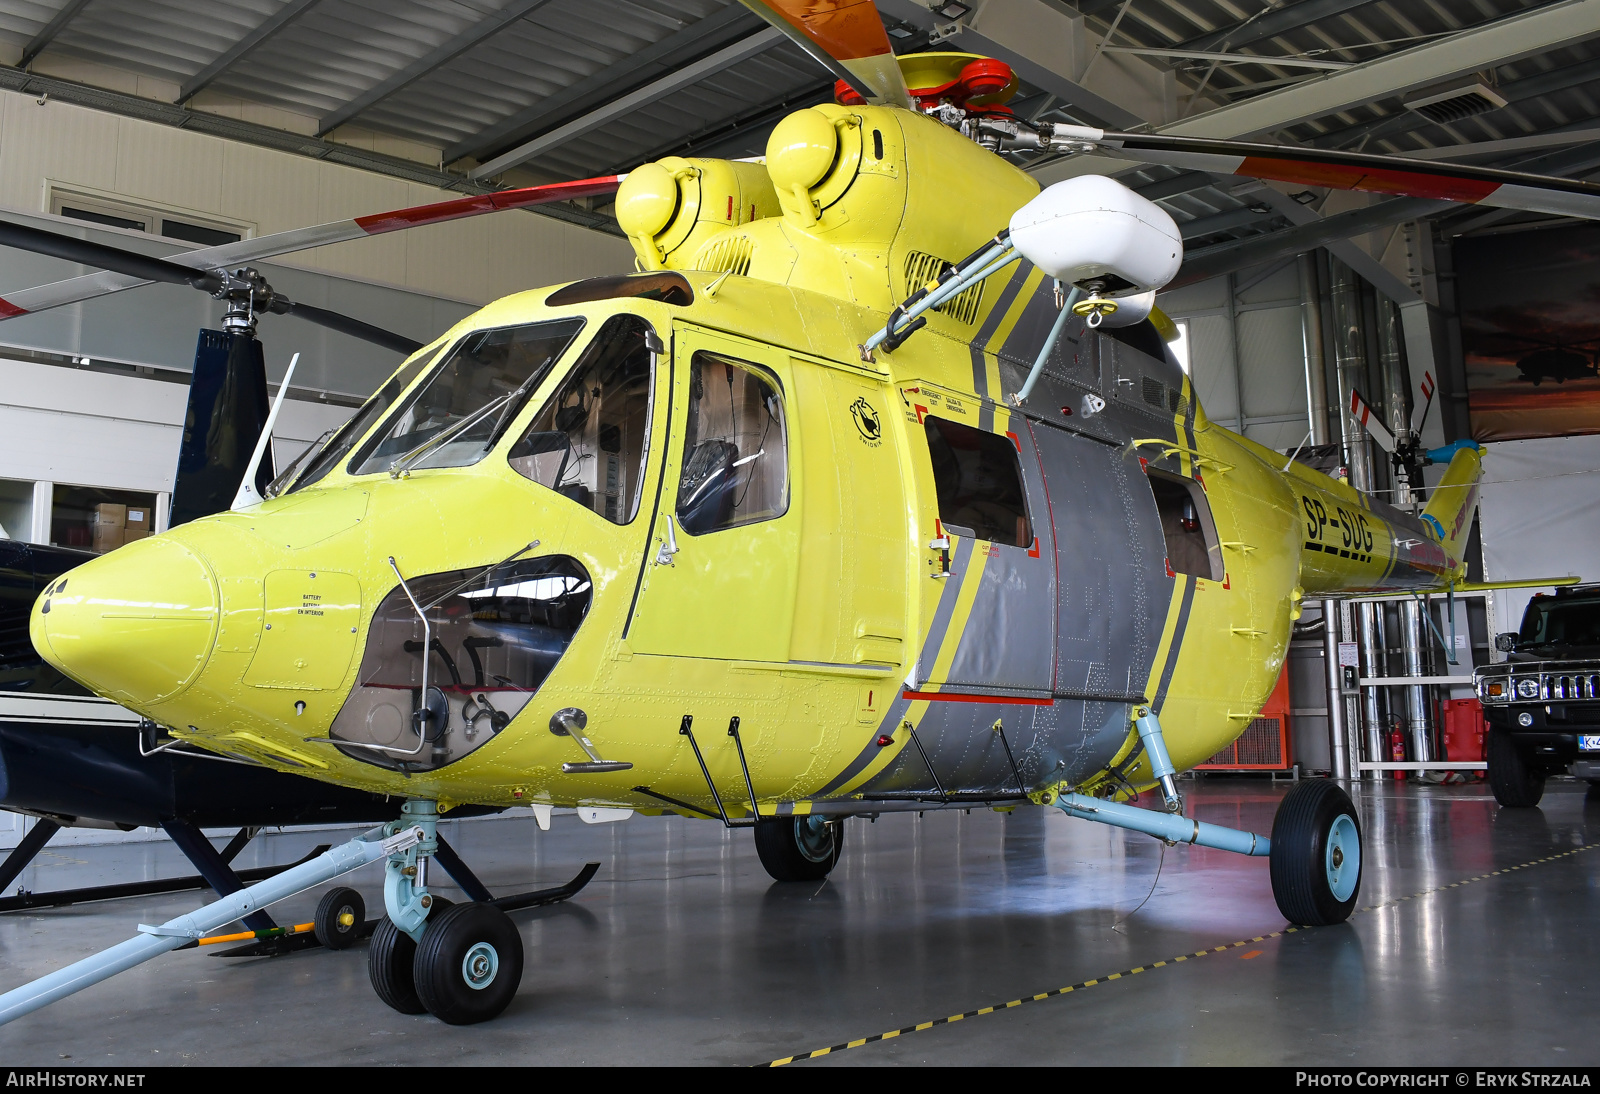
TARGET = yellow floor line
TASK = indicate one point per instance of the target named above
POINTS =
(1086, 984)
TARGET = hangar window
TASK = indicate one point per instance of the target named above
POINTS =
(590, 441)
(479, 387)
(197, 228)
(978, 479)
(1186, 524)
(736, 448)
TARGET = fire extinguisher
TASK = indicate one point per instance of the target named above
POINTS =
(1397, 746)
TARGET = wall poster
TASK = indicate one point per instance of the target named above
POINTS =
(1530, 331)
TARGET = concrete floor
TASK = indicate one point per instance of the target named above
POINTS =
(682, 951)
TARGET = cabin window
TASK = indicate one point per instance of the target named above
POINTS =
(735, 448)
(356, 428)
(486, 378)
(493, 635)
(590, 441)
(1186, 523)
(978, 479)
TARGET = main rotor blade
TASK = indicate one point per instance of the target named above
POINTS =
(228, 255)
(847, 38)
(355, 328)
(116, 259)
(1354, 171)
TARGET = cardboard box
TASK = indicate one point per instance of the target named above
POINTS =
(106, 538)
(130, 534)
(110, 514)
(138, 520)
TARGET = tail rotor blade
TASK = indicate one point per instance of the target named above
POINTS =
(1366, 419)
(1420, 415)
(355, 328)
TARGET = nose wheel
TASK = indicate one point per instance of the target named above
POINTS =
(469, 964)
(391, 960)
(1316, 854)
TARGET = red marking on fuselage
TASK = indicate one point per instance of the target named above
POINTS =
(958, 697)
(1014, 440)
(922, 412)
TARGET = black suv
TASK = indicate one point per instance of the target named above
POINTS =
(1543, 702)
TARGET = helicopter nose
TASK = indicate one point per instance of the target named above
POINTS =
(136, 625)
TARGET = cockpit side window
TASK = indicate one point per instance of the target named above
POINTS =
(735, 448)
(978, 479)
(590, 441)
(476, 391)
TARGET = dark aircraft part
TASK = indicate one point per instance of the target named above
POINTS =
(218, 874)
(1559, 365)
(227, 407)
(25, 569)
(66, 897)
(73, 771)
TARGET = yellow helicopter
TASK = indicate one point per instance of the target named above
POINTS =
(809, 517)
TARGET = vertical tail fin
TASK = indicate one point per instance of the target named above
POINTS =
(1455, 499)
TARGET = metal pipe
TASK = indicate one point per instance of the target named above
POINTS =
(1171, 827)
(1311, 335)
(1049, 344)
(991, 261)
(1372, 664)
(154, 941)
(1340, 755)
(1416, 694)
(1376, 732)
(1392, 367)
(1350, 361)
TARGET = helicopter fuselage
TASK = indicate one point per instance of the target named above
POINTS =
(899, 587)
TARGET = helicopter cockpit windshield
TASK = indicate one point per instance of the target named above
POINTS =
(477, 389)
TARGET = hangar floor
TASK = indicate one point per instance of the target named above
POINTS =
(1476, 944)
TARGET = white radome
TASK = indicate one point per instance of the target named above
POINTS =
(1090, 228)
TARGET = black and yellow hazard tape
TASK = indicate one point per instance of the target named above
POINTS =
(1084, 985)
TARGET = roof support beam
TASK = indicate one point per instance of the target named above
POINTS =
(726, 57)
(419, 68)
(1270, 24)
(1527, 33)
(67, 14)
(272, 25)
(713, 32)
(1316, 232)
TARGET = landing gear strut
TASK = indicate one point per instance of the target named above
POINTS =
(1315, 849)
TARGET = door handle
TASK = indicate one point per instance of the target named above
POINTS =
(669, 546)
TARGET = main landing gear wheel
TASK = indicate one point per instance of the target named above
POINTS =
(799, 848)
(469, 964)
(390, 958)
(1316, 854)
(339, 918)
(1515, 782)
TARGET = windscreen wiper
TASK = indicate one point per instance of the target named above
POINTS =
(401, 467)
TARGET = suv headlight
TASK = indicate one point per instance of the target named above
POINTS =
(1528, 687)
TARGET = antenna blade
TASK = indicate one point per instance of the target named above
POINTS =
(248, 495)
(847, 38)
(1366, 419)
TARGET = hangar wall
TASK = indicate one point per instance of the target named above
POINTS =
(475, 260)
